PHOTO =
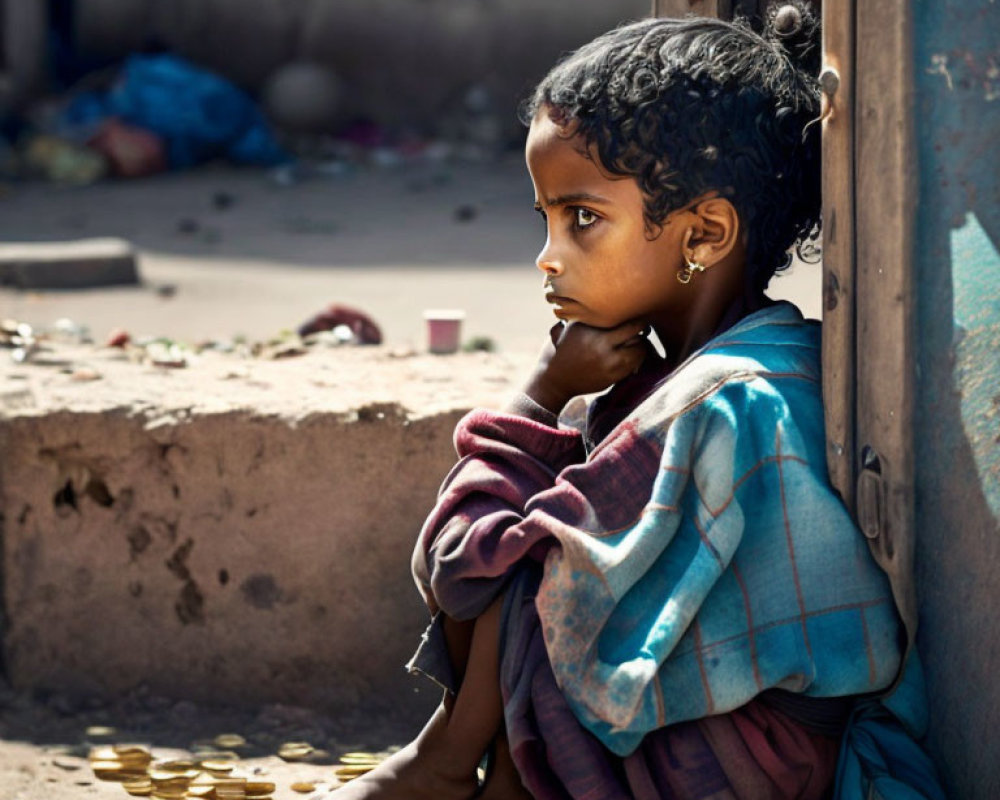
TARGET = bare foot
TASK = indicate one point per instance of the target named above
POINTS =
(503, 782)
(420, 771)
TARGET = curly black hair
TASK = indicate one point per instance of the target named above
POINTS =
(686, 106)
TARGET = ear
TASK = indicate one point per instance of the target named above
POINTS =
(714, 231)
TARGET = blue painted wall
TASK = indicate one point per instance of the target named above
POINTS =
(957, 439)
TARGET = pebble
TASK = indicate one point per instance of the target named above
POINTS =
(69, 763)
(85, 374)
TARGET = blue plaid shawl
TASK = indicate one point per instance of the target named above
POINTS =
(692, 559)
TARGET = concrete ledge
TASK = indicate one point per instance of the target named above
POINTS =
(167, 528)
(68, 265)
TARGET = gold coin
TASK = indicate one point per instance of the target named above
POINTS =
(131, 751)
(217, 755)
(169, 793)
(295, 751)
(218, 765)
(102, 754)
(354, 771)
(260, 787)
(178, 766)
(360, 768)
(169, 776)
(204, 790)
(360, 758)
(229, 741)
(138, 788)
(303, 787)
(112, 768)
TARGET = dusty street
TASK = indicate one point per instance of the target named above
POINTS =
(227, 252)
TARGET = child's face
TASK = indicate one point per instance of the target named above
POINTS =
(600, 264)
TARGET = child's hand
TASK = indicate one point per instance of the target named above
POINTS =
(580, 359)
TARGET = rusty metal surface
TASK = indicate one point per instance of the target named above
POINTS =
(956, 68)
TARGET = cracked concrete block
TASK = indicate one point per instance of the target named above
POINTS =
(227, 536)
(238, 558)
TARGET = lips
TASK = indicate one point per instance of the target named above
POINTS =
(552, 297)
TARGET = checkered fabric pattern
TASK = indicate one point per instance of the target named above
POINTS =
(692, 559)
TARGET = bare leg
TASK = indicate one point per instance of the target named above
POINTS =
(440, 764)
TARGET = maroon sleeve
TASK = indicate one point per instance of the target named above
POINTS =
(472, 539)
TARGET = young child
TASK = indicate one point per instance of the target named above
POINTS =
(673, 602)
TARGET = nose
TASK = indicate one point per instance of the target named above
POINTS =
(548, 261)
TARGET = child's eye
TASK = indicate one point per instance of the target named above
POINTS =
(584, 217)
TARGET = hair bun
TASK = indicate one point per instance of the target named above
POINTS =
(794, 26)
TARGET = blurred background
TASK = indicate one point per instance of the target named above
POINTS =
(260, 160)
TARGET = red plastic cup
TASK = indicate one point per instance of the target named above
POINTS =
(444, 329)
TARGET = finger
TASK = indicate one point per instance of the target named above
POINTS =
(633, 356)
(630, 334)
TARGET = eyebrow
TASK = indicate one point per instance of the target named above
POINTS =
(570, 199)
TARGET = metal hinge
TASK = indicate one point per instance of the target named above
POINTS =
(871, 501)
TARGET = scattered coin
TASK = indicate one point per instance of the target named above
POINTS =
(360, 758)
(181, 765)
(217, 755)
(295, 751)
(168, 776)
(218, 766)
(229, 741)
(257, 789)
(169, 793)
(230, 789)
(132, 753)
(303, 787)
(349, 773)
(141, 787)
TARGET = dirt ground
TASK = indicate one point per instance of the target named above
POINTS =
(227, 253)
(47, 737)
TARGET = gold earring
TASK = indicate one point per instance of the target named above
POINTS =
(690, 268)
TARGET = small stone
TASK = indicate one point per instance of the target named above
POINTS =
(84, 375)
(70, 763)
(119, 337)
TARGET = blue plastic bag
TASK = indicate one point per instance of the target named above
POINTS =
(198, 114)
